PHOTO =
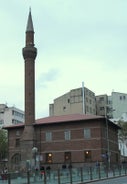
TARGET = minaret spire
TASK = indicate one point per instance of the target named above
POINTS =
(29, 23)
(29, 31)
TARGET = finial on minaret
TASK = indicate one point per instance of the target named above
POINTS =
(30, 9)
(29, 22)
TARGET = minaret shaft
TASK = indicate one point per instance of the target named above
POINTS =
(29, 54)
(29, 38)
(29, 92)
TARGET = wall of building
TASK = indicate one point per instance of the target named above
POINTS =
(77, 145)
(10, 115)
(119, 103)
(86, 144)
(113, 106)
(14, 155)
(101, 103)
(72, 102)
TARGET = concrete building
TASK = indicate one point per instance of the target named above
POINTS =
(80, 100)
(10, 115)
(76, 139)
(102, 105)
(114, 106)
(77, 101)
(119, 104)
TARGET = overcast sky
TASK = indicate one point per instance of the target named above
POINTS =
(77, 41)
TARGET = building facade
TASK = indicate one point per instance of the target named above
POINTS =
(80, 100)
(75, 101)
(119, 104)
(10, 115)
(102, 104)
(113, 106)
(69, 139)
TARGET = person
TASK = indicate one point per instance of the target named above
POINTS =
(97, 165)
(42, 171)
(4, 174)
(5, 170)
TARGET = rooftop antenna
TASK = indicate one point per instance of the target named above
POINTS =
(83, 98)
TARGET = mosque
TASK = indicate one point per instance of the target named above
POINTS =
(55, 141)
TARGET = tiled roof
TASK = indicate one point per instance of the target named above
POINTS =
(66, 118)
(62, 118)
(14, 126)
(58, 119)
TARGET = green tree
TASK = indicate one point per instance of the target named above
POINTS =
(123, 132)
(3, 144)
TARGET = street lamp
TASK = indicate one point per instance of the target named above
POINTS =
(107, 133)
(107, 136)
(34, 151)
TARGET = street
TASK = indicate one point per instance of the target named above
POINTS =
(118, 180)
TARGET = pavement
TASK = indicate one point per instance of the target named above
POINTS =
(117, 180)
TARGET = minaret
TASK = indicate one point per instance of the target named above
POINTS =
(29, 55)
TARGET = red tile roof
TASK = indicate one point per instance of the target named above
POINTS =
(14, 126)
(66, 118)
(58, 119)
(62, 118)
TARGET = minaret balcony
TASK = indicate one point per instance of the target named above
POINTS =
(29, 52)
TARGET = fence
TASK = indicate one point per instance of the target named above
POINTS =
(63, 176)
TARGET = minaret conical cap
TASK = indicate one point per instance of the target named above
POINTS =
(30, 23)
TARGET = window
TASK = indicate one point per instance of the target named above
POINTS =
(49, 157)
(101, 108)
(18, 133)
(17, 143)
(87, 133)
(120, 97)
(18, 114)
(1, 122)
(48, 136)
(68, 100)
(67, 135)
(67, 156)
(90, 110)
(101, 99)
(87, 155)
(16, 159)
(87, 108)
(64, 107)
(15, 121)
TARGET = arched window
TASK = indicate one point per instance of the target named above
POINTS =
(16, 158)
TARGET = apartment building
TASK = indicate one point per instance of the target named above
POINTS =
(102, 104)
(80, 100)
(83, 100)
(114, 106)
(10, 115)
(119, 104)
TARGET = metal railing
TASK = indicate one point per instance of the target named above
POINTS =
(63, 176)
